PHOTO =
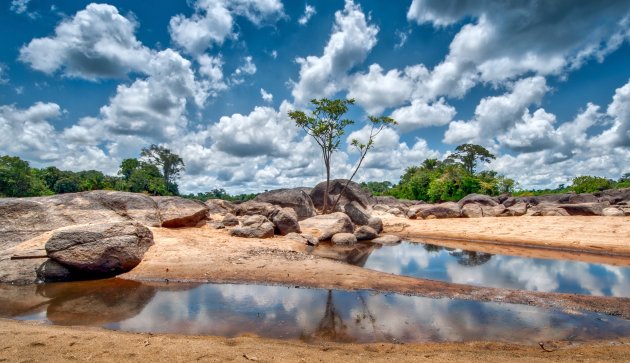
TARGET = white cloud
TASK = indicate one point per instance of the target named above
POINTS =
(509, 39)
(4, 79)
(28, 132)
(309, 11)
(96, 42)
(266, 96)
(213, 21)
(376, 91)
(497, 114)
(211, 68)
(247, 68)
(619, 111)
(351, 40)
(421, 114)
(402, 38)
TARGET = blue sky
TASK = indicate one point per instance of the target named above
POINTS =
(544, 85)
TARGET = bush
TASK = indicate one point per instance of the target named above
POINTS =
(591, 184)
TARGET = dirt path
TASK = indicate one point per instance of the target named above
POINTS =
(33, 342)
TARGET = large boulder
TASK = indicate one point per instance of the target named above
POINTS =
(220, 206)
(105, 249)
(256, 226)
(358, 215)
(518, 209)
(230, 220)
(612, 212)
(583, 209)
(442, 210)
(178, 212)
(614, 196)
(24, 218)
(376, 223)
(252, 208)
(547, 210)
(286, 221)
(53, 271)
(472, 210)
(479, 199)
(296, 199)
(353, 192)
(326, 225)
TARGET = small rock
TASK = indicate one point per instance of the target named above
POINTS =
(612, 212)
(216, 225)
(365, 233)
(387, 239)
(230, 220)
(53, 271)
(344, 239)
(376, 223)
(255, 226)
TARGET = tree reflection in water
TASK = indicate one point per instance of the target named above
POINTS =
(331, 327)
(471, 258)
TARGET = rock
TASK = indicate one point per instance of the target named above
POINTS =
(103, 249)
(256, 226)
(303, 238)
(480, 199)
(286, 221)
(387, 239)
(252, 207)
(442, 210)
(414, 210)
(612, 212)
(495, 211)
(546, 210)
(353, 192)
(376, 223)
(358, 215)
(296, 199)
(364, 233)
(178, 212)
(472, 210)
(344, 239)
(584, 209)
(381, 207)
(395, 211)
(24, 218)
(230, 220)
(52, 271)
(614, 196)
(220, 206)
(518, 209)
(326, 225)
(216, 225)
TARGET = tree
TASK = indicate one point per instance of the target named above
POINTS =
(591, 184)
(127, 167)
(469, 155)
(326, 127)
(171, 164)
(17, 179)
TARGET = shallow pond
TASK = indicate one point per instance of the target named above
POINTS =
(484, 269)
(295, 313)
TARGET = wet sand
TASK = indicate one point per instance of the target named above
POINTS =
(28, 341)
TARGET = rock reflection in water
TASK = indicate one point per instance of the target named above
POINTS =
(309, 314)
(511, 272)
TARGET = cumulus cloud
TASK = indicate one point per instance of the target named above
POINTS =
(96, 42)
(422, 114)
(266, 96)
(497, 114)
(213, 21)
(351, 40)
(309, 11)
(28, 132)
(376, 91)
(512, 38)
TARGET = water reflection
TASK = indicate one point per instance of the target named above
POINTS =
(308, 314)
(484, 269)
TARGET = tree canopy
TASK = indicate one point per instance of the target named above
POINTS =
(469, 155)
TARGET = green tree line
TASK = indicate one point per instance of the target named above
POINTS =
(154, 173)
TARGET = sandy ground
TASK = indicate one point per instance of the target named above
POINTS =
(599, 235)
(208, 255)
(33, 342)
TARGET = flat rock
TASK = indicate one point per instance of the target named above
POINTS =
(252, 207)
(479, 199)
(178, 212)
(387, 239)
(344, 239)
(584, 209)
(103, 249)
(24, 218)
(612, 212)
(296, 199)
(442, 210)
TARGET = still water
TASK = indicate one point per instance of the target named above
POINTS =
(483, 269)
(295, 313)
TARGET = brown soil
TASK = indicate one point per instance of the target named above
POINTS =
(33, 342)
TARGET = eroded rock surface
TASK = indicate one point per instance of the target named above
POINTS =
(296, 199)
(178, 212)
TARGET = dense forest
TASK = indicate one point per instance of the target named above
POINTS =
(156, 171)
